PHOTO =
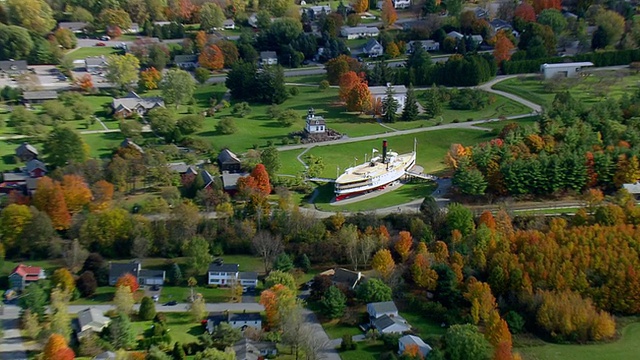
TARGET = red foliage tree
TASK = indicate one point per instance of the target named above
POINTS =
(57, 349)
(503, 47)
(539, 5)
(85, 82)
(211, 58)
(49, 198)
(348, 81)
(261, 176)
(128, 280)
(525, 12)
(114, 31)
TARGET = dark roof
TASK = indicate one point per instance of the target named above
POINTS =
(386, 321)
(151, 273)
(35, 164)
(227, 157)
(499, 23)
(118, 269)
(13, 65)
(370, 44)
(383, 307)
(248, 275)
(224, 268)
(345, 276)
(207, 178)
(268, 55)
(40, 95)
(73, 26)
(185, 59)
(245, 316)
(26, 147)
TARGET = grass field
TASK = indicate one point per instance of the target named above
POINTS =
(367, 350)
(402, 195)
(422, 325)
(626, 348)
(498, 125)
(588, 90)
(84, 52)
(335, 329)
(181, 327)
(182, 293)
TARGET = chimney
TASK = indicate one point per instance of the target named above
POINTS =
(384, 151)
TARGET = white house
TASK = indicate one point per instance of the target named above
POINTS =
(564, 69)
(399, 93)
(427, 45)
(229, 24)
(228, 274)
(379, 309)
(186, 61)
(412, 340)
(458, 36)
(373, 48)
(401, 4)
(357, 32)
(240, 321)
(315, 124)
(268, 58)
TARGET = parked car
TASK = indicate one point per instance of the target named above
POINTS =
(171, 303)
(105, 38)
(155, 298)
(155, 288)
(101, 44)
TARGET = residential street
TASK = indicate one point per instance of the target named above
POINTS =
(11, 345)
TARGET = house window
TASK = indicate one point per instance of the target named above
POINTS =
(214, 274)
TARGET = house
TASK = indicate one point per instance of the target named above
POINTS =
(480, 13)
(315, 124)
(186, 61)
(246, 349)
(107, 355)
(37, 97)
(499, 24)
(228, 161)
(633, 189)
(162, 23)
(13, 67)
(248, 278)
(229, 24)
(391, 325)
(134, 104)
(253, 20)
(268, 58)
(240, 321)
(90, 320)
(128, 143)
(133, 29)
(230, 181)
(458, 36)
(412, 340)
(144, 277)
(24, 275)
(373, 48)
(399, 93)
(314, 11)
(571, 69)
(95, 64)
(222, 274)
(35, 169)
(75, 27)
(357, 32)
(427, 45)
(26, 152)
(397, 4)
(347, 278)
(379, 309)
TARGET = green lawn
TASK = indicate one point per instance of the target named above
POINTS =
(182, 293)
(335, 329)
(498, 125)
(104, 294)
(626, 348)
(102, 145)
(181, 327)
(84, 52)
(402, 195)
(366, 350)
(588, 90)
(307, 79)
(422, 324)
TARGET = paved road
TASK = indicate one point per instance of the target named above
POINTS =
(180, 307)
(11, 345)
(328, 351)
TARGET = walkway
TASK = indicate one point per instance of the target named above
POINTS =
(11, 345)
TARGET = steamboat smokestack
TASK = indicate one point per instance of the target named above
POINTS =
(384, 151)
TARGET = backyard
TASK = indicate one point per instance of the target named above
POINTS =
(181, 327)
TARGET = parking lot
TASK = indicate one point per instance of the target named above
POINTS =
(48, 77)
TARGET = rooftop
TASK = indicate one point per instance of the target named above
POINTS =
(383, 307)
(564, 65)
(40, 95)
(359, 29)
(223, 268)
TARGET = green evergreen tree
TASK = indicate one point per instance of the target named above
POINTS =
(389, 106)
(175, 274)
(432, 103)
(178, 352)
(333, 303)
(147, 309)
(410, 111)
(303, 262)
(283, 263)
(120, 333)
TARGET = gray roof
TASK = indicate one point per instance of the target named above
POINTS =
(13, 65)
(129, 143)
(35, 164)
(228, 22)
(32, 183)
(227, 157)
(248, 275)
(359, 29)
(107, 355)
(224, 268)
(370, 45)
(246, 349)
(25, 146)
(14, 177)
(118, 269)
(230, 180)
(40, 95)
(245, 316)
(95, 61)
(386, 321)
(182, 168)
(382, 90)
(632, 188)
(92, 317)
(133, 100)
(73, 25)
(178, 59)
(414, 340)
(383, 307)
(268, 55)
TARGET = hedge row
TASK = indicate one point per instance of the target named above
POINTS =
(599, 59)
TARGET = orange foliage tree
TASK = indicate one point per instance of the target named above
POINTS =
(76, 192)
(487, 219)
(412, 351)
(525, 12)
(383, 262)
(539, 5)
(49, 198)
(422, 273)
(389, 15)
(340, 65)
(128, 280)
(455, 154)
(278, 301)
(57, 349)
(211, 57)
(85, 82)
(257, 181)
(201, 40)
(403, 245)
(347, 81)
(503, 47)
(359, 98)
(150, 78)
(185, 10)
(102, 195)
(360, 6)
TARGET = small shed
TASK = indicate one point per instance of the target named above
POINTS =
(571, 69)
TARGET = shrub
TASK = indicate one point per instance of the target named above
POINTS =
(294, 91)
(468, 99)
(515, 322)
(324, 85)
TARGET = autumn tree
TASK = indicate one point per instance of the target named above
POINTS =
(211, 57)
(122, 70)
(85, 82)
(539, 5)
(57, 349)
(201, 40)
(348, 81)
(63, 279)
(277, 301)
(60, 320)
(150, 78)
(359, 98)
(360, 6)
(13, 220)
(123, 299)
(258, 181)
(403, 245)
(76, 192)
(128, 280)
(33, 15)
(422, 273)
(503, 47)
(340, 65)
(525, 12)
(389, 15)
(383, 263)
(49, 197)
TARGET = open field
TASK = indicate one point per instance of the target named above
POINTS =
(498, 125)
(402, 195)
(181, 327)
(422, 324)
(626, 348)
(366, 350)
(588, 90)
(335, 329)
(84, 52)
